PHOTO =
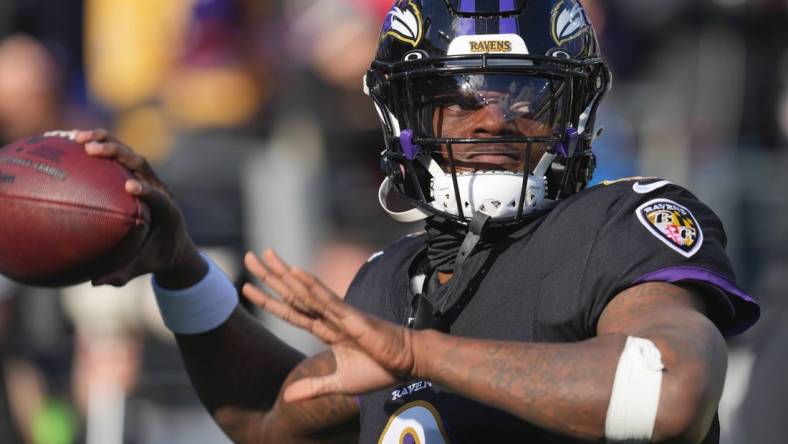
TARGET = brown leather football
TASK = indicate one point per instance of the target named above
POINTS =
(65, 216)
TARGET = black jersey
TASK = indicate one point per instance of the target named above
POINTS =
(548, 282)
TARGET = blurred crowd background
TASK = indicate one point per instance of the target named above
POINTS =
(252, 112)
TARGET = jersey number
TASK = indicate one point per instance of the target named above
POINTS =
(416, 422)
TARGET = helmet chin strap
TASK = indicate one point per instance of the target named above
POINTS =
(494, 193)
(412, 215)
(582, 122)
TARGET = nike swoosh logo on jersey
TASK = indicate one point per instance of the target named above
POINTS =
(648, 188)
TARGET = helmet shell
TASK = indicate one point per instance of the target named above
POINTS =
(546, 39)
(425, 28)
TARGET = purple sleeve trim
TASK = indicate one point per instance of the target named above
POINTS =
(746, 310)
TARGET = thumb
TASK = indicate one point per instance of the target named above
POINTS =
(313, 387)
(118, 278)
(121, 276)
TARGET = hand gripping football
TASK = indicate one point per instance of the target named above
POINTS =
(65, 216)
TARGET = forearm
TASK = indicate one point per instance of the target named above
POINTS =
(560, 387)
(323, 419)
(566, 387)
(237, 370)
(240, 371)
(240, 363)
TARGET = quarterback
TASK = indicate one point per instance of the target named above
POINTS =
(531, 309)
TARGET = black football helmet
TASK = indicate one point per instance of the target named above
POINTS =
(534, 69)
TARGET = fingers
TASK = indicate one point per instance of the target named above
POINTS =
(269, 276)
(277, 277)
(121, 153)
(283, 277)
(299, 288)
(101, 144)
(85, 136)
(156, 198)
(309, 388)
(304, 283)
(276, 263)
(256, 267)
(281, 310)
(291, 315)
(314, 285)
(307, 290)
(326, 302)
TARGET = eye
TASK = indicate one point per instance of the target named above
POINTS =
(521, 108)
(459, 103)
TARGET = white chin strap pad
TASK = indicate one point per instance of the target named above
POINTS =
(412, 215)
(632, 411)
(494, 193)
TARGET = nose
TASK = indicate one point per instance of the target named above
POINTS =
(492, 120)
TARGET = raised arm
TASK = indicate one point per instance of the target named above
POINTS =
(237, 367)
(563, 387)
(567, 387)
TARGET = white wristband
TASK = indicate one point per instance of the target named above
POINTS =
(200, 308)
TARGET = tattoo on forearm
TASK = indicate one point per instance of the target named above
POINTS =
(567, 386)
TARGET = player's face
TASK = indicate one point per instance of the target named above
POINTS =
(488, 121)
(508, 107)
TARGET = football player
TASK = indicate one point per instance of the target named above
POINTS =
(530, 310)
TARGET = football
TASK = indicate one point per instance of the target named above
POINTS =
(65, 216)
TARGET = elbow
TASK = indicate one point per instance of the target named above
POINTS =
(686, 410)
(241, 426)
(692, 384)
(680, 429)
